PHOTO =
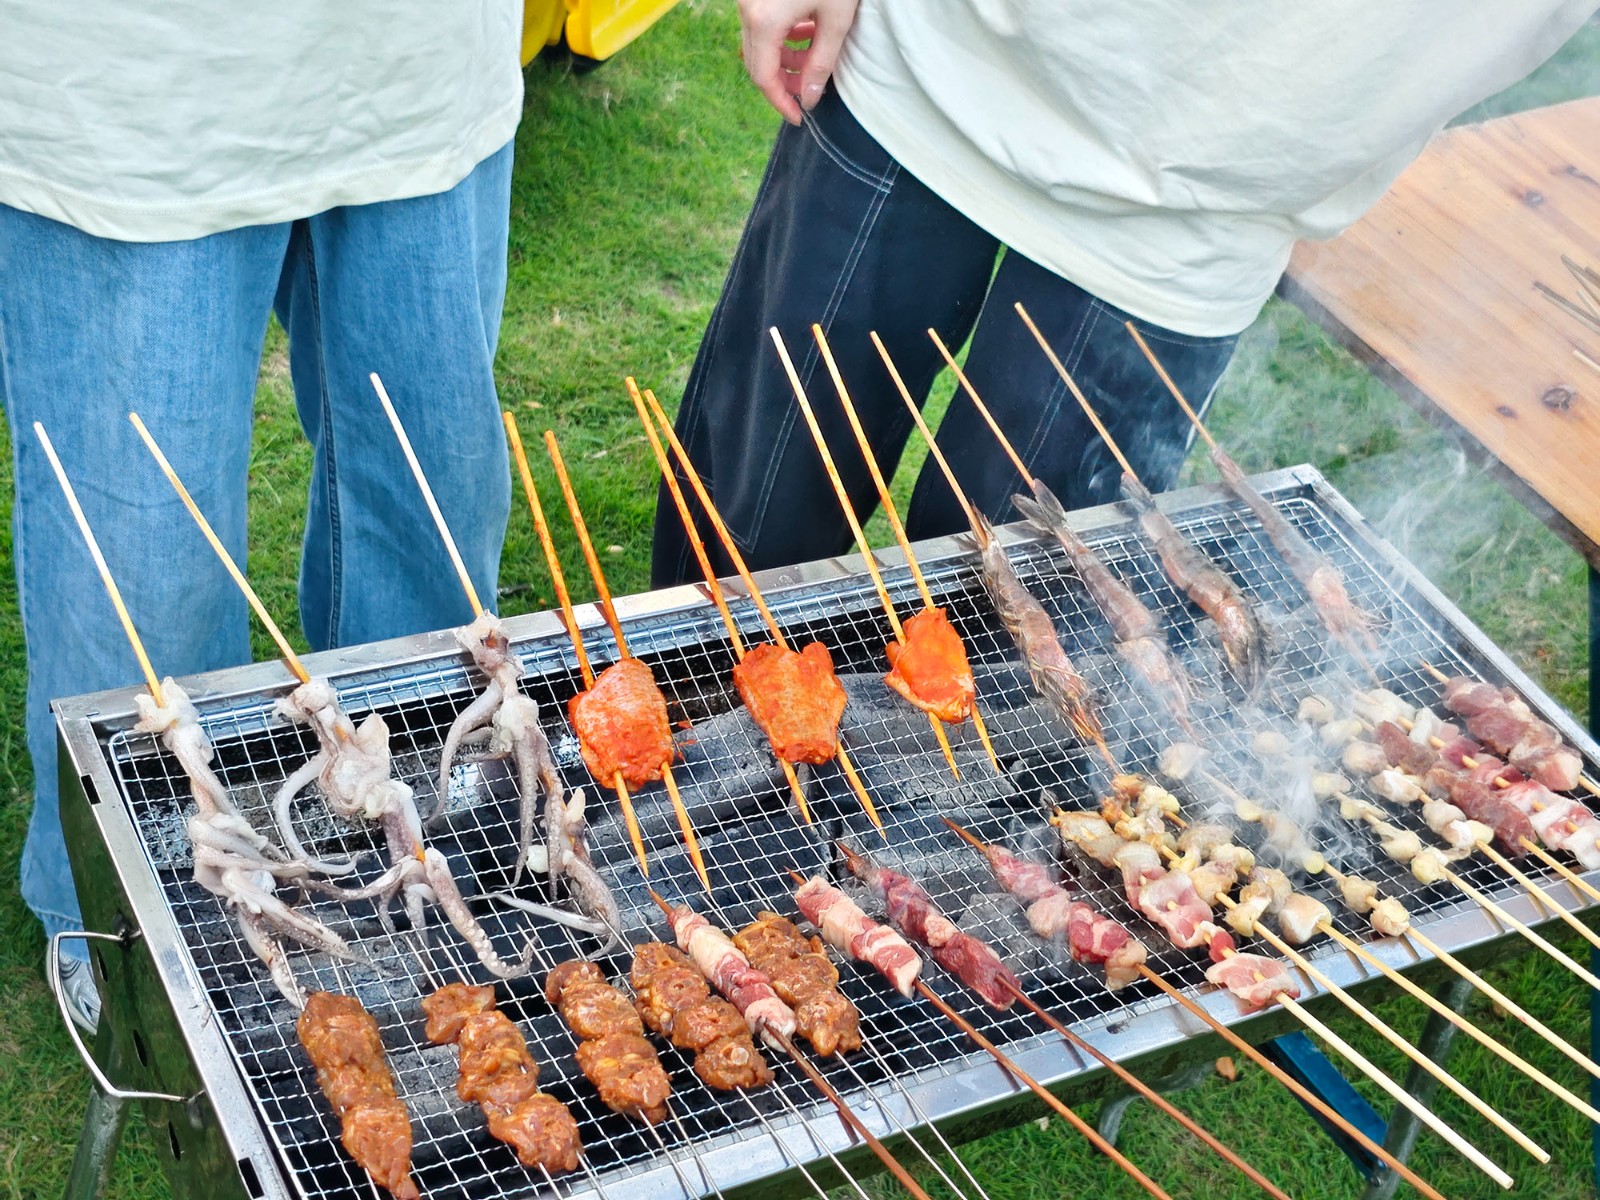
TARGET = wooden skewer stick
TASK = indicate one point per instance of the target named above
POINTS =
(1460, 1022)
(1072, 386)
(1500, 914)
(1038, 1089)
(150, 677)
(1399, 1043)
(1302, 1093)
(713, 585)
(1584, 781)
(609, 611)
(290, 658)
(1172, 386)
(570, 620)
(892, 514)
(1084, 723)
(1540, 896)
(1561, 869)
(735, 557)
(856, 531)
(1586, 360)
(822, 1085)
(427, 496)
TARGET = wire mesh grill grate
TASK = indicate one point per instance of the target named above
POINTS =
(752, 837)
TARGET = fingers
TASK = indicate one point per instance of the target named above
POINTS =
(832, 23)
(765, 28)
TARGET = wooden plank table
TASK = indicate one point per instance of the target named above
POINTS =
(1434, 290)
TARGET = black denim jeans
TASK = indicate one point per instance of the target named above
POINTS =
(840, 235)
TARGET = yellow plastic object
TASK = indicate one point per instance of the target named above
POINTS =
(595, 29)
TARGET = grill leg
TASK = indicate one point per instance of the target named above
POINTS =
(97, 1147)
(1181, 1080)
(1437, 1035)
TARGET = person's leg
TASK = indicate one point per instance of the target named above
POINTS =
(1040, 416)
(841, 236)
(411, 290)
(91, 329)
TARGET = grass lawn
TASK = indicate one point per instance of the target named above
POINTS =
(631, 184)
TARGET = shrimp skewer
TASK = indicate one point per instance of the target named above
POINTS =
(1244, 641)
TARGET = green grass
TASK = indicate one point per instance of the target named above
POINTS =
(630, 187)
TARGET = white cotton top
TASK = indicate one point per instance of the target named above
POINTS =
(1166, 154)
(154, 120)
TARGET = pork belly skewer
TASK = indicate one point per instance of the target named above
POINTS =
(1255, 980)
(794, 697)
(1499, 718)
(946, 655)
(341, 1039)
(1244, 641)
(352, 767)
(503, 716)
(721, 962)
(1322, 581)
(1138, 638)
(231, 860)
(1054, 677)
(623, 704)
(1054, 915)
(955, 700)
(852, 932)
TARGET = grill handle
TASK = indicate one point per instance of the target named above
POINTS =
(53, 974)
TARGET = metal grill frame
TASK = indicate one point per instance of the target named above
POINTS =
(968, 1094)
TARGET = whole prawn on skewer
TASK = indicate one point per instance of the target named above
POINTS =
(1244, 640)
(1323, 582)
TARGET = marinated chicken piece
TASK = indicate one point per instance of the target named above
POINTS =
(732, 1062)
(1140, 865)
(448, 1008)
(622, 727)
(1299, 917)
(795, 698)
(1247, 909)
(930, 668)
(626, 1072)
(1316, 710)
(540, 1130)
(593, 1009)
(805, 980)
(1212, 879)
(496, 1068)
(1179, 760)
(1389, 917)
(699, 1026)
(1363, 758)
(340, 1037)
(1277, 885)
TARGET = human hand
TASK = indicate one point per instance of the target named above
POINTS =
(793, 80)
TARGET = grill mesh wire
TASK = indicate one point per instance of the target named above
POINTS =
(751, 837)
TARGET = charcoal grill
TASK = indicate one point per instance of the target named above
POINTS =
(190, 1013)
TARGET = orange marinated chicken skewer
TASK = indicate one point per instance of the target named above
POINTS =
(794, 696)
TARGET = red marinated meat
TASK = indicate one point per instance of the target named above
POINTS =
(930, 667)
(796, 699)
(621, 723)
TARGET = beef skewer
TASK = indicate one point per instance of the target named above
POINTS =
(850, 930)
(959, 703)
(231, 860)
(352, 766)
(1244, 641)
(1034, 885)
(931, 617)
(504, 714)
(341, 1039)
(794, 697)
(1323, 582)
(727, 969)
(629, 674)
(1258, 981)
(1138, 638)
(1030, 626)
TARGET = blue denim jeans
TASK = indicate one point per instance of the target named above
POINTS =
(91, 329)
(842, 236)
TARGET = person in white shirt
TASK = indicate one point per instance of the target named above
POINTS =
(172, 173)
(1152, 161)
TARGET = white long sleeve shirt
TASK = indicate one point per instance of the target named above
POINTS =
(155, 120)
(1166, 154)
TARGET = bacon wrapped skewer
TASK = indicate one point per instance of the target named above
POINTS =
(850, 931)
(727, 969)
(805, 980)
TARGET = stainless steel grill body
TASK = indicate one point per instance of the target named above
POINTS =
(191, 1011)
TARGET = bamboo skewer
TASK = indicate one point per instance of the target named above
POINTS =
(891, 514)
(115, 594)
(1500, 914)
(609, 611)
(713, 585)
(1083, 401)
(1302, 1093)
(1449, 1014)
(855, 528)
(427, 496)
(1083, 721)
(737, 559)
(1561, 869)
(1539, 895)
(1056, 1103)
(290, 658)
(1383, 1030)
(570, 619)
